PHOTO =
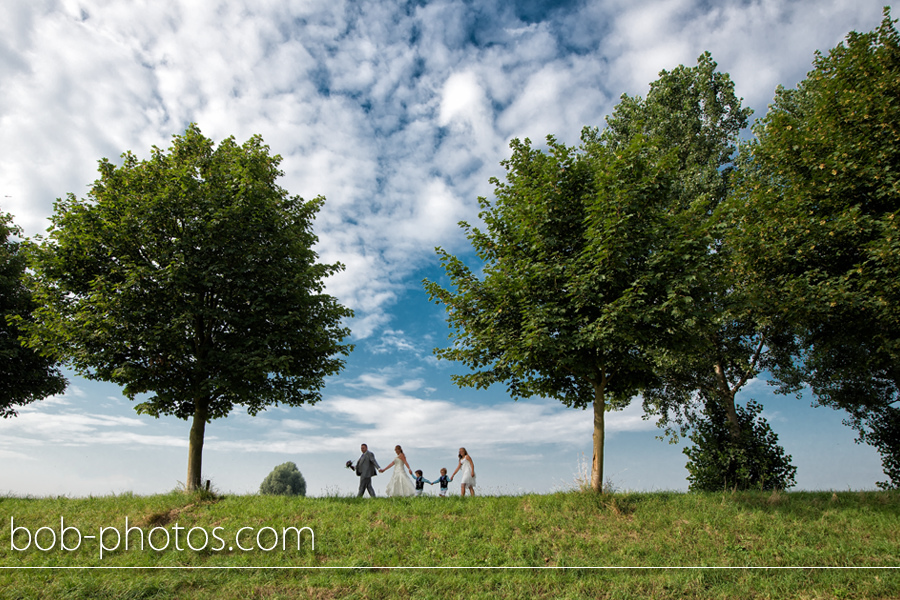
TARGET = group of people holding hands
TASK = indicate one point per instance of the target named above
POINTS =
(400, 484)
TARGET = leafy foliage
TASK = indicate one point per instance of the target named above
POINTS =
(693, 115)
(560, 309)
(583, 257)
(694, 118)
(753, 461)
(284, 480)
(816, 227)
(191, 275)
(25, 375)
(882, 430)
(595, 258)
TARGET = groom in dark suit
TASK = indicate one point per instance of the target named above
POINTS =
(366, 468)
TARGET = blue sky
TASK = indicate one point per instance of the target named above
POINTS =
(398, 113)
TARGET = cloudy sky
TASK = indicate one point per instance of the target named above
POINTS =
(398, 113)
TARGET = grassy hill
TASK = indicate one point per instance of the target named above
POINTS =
(565, 545)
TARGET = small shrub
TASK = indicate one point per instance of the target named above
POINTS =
(754, 461)
(284, 480)
(202, 493)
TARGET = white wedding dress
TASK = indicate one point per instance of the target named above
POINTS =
(400, 483)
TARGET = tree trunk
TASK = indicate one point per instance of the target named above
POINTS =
(599, 437)
(195, 446)
(727, 396)
(733, 423)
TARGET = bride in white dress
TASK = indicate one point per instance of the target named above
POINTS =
(400, 484)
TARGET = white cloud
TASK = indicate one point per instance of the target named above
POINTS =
(39, 427)
(391, 417)
(387, 410)
(463, 100)
(397, 117)
(15, 456)
(392, 341)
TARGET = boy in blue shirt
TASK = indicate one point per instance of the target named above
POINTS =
(444, 481)
(420, 483)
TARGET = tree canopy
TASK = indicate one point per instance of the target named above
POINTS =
(604, 269)
(585, 254)
(191, 276)
(816, 228)
(25, 375)
(540, 319)
(695, 119)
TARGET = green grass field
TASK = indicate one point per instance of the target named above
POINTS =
(564, 545)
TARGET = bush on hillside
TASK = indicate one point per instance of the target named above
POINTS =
(754, 461)
(284, 480)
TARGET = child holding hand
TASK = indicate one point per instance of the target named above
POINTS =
(420, 482)
(444, 481)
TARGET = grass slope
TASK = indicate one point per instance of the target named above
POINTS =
(782, 545)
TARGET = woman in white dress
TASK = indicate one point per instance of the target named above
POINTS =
(400, 484)
(468, 472)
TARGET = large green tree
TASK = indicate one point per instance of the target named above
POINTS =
(25, 375)
(192, 276)
(604, 271)
(575, 286)
(816, 227)
(695, 119)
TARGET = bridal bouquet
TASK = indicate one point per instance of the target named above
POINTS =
(349, 464)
